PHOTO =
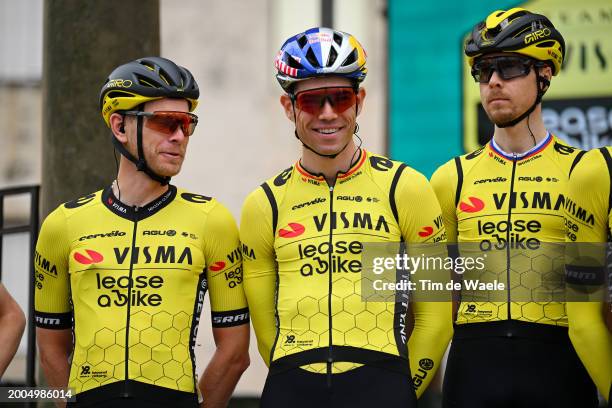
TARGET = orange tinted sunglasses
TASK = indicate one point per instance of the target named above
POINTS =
(168, 121)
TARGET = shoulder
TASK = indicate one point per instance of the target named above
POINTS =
(79, 207)
(590, 171)
(81, 204)
(566, 155)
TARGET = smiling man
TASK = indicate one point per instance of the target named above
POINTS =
(121, 273)
(506, 200)
(303, 233)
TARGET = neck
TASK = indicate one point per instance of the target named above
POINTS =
(327, 166)
(135, 188)
(517, 138)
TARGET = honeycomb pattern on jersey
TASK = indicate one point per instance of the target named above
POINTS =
(158, 353)
(355, 323)
(537, 288)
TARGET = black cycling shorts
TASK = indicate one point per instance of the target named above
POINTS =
(514, 365)
(366, 386)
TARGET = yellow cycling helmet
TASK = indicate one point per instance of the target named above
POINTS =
(517, 31)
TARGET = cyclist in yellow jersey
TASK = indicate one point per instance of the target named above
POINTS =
(303, 233)
(506, 200)
(121, 273)
(589, 220)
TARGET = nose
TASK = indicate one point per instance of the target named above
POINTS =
(178, 135)
(327, 111)
(495, 79)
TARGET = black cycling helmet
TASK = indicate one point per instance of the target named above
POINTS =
(522, 32)
(137, 82)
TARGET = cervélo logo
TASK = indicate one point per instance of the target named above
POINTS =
(292, 230)
(474, 205)
(91, 257)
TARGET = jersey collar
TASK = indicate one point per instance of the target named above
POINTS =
(543, 144)
(357, 163)
(130, 213)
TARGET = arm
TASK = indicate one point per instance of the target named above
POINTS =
(444, 182)
(230, 315)
(259, 269)
(419, 208)
(53, 312)
(589, 190)
(54, 348)
(228, 363)
(12, 321)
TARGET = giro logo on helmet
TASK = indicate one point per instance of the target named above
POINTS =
(543, 33)
(119, 83)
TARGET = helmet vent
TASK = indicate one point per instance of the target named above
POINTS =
(148, 66)
(546, 44)
(338, 39)
(143, 81)
(523, 31)
(333, 54)
(351, 58)
(293, 63)
(310, 56)
(163, 75)
(302, 41)
(118, 94)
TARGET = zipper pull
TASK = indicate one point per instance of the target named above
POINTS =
(331, 189)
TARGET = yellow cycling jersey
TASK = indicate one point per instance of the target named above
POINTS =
(130, 282)
(509, 210)
(302, 246)
(589, 220)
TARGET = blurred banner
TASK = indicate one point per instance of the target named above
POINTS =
(435, 110)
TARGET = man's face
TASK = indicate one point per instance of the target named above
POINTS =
(329, 125)
(506, 99)
(164, 152)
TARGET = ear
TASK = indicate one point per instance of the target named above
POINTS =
(117, 125)
(546, 72)
(287, 105)
(361, 94)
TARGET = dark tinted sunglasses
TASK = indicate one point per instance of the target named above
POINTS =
(506, 67)
(168, 121)
(312, 101)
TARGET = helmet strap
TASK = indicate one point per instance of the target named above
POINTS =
(140, 162)
(542, 85)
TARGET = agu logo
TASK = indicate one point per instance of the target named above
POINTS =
(425, 232)
(292, 230)
(91, 257)
(474, 205)
(217, 266)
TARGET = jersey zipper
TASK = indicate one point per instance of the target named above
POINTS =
(511, 202)
(330, 357)
(126, 393)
